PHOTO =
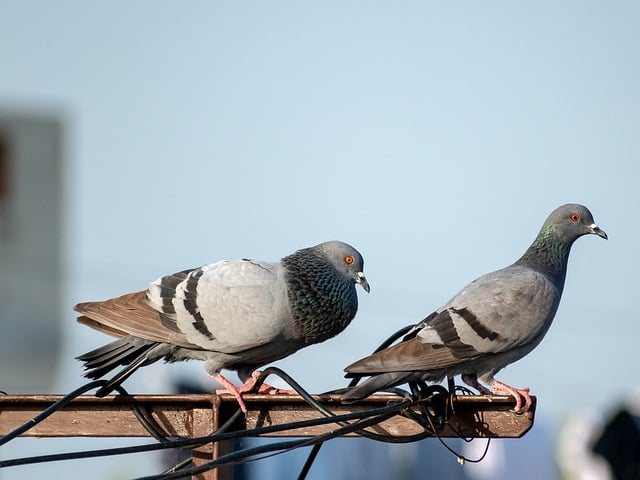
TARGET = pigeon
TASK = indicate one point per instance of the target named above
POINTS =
(492, 322)
(233, 314)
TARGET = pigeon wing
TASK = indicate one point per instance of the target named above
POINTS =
(229, 306)
(498, 312)
(129, 314)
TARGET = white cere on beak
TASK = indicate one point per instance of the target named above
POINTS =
(361, 279)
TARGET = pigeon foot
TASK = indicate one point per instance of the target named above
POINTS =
(519, 394)
(264, 387)
(233, 390)
(248, 387)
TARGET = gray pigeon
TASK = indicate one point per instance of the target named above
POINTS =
(233, 314)
(492, 322)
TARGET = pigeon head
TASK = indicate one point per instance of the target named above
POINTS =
(571, 221)
(346, 260)
(549, 252)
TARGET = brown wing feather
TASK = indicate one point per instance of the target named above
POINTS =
(409, 355)
(89, 322)
(130, 314)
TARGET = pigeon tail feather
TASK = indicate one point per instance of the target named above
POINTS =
(104, 359)
(374, 384)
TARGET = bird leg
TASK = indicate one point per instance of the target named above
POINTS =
(517, 393)
(232, 389)
(471, 379)
(247, 387)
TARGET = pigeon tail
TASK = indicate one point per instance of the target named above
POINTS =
(374, 384)
(104, 359)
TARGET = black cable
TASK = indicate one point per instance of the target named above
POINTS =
(295, 386)
(309, 462)
(427, 423)
(451, 384)
(225, 426)
(143, 417)
(461, 458)
(225, 459)
(245, 454)
(49, 410)
(427, 399)
(314, 452)
(153, 430)
(400, 333)
(328, 413)
(198, 441)
(375, 416)
(179, 466)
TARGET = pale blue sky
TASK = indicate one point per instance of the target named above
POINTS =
(434, 137)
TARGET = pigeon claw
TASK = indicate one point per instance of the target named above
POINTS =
(233, 390)
(519, 394)
(249, 386)
(269, 390)
(264, 388)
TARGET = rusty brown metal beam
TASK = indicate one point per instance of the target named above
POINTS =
(181, 415)
(199, 415)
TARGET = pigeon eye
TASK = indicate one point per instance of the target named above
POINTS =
(348, 259)
(574, 217)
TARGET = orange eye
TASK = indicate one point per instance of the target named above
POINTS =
(574, 217)
(348, 259)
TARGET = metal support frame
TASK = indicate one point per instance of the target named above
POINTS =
(189, 416)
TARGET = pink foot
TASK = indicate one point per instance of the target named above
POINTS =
(232, 389)
(517, 393)
(247, 387)
(268, 389)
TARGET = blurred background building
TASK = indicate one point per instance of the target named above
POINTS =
(31, 235)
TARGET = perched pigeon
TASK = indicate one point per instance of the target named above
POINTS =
(492, 322)
(233, 314)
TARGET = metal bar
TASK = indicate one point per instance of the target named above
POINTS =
(204, 422)
(184, 415)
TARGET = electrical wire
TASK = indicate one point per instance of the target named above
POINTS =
(49, 410)
(246, 454)
(427, 395)
(198, 441)
(400, 333)
(430, 406)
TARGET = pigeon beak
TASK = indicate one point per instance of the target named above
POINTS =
(596, 230)
(361, 279)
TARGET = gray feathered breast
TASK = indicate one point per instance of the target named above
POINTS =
(322, 300)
